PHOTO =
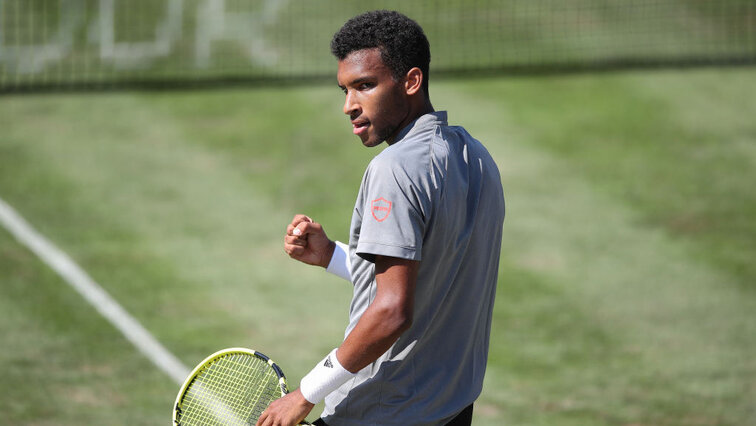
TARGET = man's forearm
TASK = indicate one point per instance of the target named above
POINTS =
(378, 329)
(387, 317)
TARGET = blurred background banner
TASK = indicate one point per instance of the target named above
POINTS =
(49, 44)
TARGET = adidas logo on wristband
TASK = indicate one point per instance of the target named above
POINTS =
(327, 376)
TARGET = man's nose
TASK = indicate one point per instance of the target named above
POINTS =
(350, 106)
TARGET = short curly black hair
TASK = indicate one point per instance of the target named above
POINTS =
(401, 40)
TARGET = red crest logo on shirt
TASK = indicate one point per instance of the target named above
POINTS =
(380, 209)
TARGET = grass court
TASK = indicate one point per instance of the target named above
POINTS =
(627, 285)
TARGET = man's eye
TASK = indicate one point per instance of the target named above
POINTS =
(365, 86)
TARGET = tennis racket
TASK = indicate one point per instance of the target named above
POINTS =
(230, 387)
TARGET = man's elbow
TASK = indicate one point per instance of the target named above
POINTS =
(396, 319)
(403, 322)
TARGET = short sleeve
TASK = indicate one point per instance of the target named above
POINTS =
(393, 223)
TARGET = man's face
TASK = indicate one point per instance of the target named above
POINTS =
(376, 104)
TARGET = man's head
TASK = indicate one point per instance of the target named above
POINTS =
(383, 68)
(401, 41)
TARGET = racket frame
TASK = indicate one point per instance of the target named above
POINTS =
(222, 353)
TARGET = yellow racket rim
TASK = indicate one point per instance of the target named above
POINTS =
(230, 387)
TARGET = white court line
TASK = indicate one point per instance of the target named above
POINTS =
(93, 293)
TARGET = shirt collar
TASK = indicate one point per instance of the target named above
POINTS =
(436, 118)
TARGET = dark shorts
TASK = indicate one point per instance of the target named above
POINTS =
(463, 419)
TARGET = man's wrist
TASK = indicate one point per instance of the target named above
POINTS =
(303, 401)
(325, 260)
(340, 264)
(327, 376)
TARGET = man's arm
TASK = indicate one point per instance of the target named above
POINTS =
(387, 317)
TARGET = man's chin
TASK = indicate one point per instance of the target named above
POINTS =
(371, 142)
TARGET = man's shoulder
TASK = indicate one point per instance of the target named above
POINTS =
(430, 138)
(398, 159)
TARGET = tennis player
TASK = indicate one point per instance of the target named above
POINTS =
(423, 251)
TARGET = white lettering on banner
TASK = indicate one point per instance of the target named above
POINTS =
(33, 58)
(135, 54)
(245, 28)
(214, 23)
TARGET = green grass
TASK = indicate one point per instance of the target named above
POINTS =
(626, 293)
(635, 322)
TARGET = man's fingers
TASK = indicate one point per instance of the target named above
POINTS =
(294, 240)
(291, 228)
(300, 218)
(306, 241)
(261, 419)
(294, 250)
(302, 229)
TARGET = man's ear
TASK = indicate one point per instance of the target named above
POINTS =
(413, 81)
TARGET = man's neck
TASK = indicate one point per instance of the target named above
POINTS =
(415, 113)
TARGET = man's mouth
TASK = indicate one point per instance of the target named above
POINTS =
(359, 127)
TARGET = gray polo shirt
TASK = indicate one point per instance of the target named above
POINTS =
(434, 196)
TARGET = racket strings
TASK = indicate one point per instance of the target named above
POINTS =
(233, 390)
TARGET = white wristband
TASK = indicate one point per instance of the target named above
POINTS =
(339, 264)
(325, 378)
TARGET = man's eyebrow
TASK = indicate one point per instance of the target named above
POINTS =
(360, 80)
(356, 81)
